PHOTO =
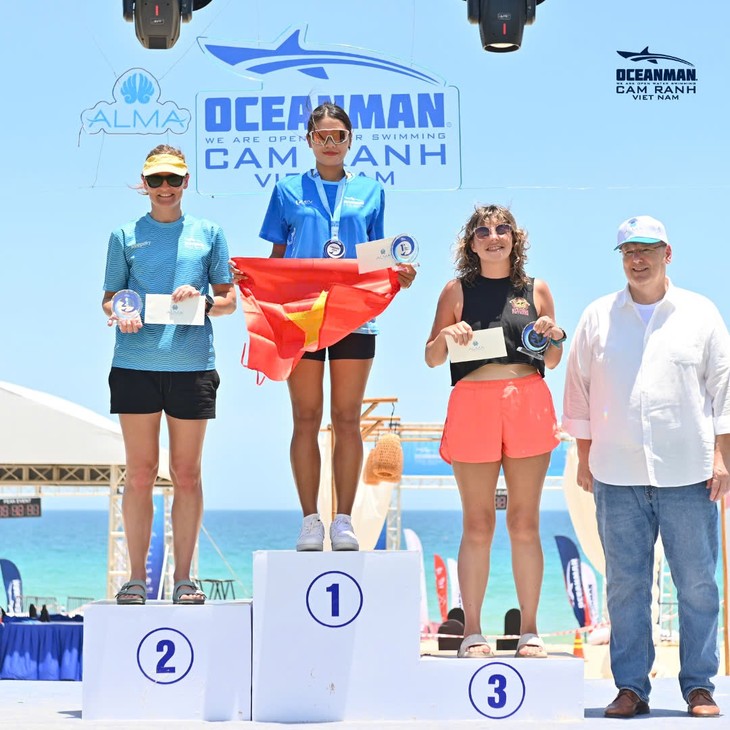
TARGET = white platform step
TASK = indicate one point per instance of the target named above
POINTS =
(336, 638)
(167, 662)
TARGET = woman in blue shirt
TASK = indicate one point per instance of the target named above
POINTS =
(165, 367)
(324, 213)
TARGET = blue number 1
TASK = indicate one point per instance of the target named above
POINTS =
(334, 589)
(500, 698)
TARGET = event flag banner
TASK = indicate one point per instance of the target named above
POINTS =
(293, 306)
(454, 590)
(574, 579)
(441, 585)
(413, 543)
(13, 586)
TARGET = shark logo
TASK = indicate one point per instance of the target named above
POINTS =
(647, 55)
(291, 54)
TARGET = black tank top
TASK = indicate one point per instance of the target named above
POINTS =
(496, 303)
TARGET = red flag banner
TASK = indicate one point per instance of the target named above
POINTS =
(293, 306)
(441, 583)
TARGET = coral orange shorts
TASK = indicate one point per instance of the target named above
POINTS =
(487, 419)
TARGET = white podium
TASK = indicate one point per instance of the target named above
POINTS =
(167, 662)
(336, 637)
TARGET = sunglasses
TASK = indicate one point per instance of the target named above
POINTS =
(174, 181)
(321, 136)
(501, 230)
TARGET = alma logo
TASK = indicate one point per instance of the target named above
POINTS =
(136, 109)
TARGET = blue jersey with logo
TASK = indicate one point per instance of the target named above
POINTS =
(296, 217)
(156, 258)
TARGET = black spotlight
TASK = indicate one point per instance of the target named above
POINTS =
(501, 22)
(157, 22)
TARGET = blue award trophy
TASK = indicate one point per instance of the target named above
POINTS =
(126, 304)
(404, 249)
(533, 343)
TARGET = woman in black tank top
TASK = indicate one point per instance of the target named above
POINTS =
(497, 325)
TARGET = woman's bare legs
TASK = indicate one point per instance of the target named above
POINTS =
(525, 479)
(305, 391)
(348, 382)
(477, 486)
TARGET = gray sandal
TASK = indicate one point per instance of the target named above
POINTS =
(187, 593)
(133, 593)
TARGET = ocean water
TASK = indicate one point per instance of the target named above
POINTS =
(64, 553)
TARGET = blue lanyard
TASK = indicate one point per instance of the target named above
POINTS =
(337, 212)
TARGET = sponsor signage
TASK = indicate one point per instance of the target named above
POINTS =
(405, 121)
(655, 76)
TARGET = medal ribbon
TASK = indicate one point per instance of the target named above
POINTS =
(337, 212)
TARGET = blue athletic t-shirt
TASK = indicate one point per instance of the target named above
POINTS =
(155, 258)
(296, 217)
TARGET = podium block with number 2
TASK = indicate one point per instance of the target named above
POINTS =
(165, 662)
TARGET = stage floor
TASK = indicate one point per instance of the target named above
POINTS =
(36, 705)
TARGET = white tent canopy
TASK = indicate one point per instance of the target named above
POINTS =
(41, 429)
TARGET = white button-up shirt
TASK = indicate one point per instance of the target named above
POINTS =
(650, 397)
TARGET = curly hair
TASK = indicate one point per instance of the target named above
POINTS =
(467, 262)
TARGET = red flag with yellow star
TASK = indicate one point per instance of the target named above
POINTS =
(293, 306)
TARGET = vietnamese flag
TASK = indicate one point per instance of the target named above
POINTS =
(293, 306)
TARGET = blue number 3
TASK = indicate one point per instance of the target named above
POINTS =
(499, 700)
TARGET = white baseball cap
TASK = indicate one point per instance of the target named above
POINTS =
(641, 229)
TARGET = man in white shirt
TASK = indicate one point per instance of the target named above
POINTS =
(647, 399)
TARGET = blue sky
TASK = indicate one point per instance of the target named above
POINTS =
(542, 130)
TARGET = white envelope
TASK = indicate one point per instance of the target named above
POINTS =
(160, 309)
(485, 345)
(375, 255)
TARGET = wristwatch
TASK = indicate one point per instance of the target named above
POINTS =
(209, 302)
(559, 342)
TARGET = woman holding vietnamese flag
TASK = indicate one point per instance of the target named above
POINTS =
(324, 213)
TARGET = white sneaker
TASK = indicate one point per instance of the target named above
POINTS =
(311, 537)
(342, 535)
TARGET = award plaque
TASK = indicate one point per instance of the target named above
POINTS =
(126, 304)
(533, 343)
(404, 249)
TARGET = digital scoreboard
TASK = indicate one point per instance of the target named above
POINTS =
(20, 507)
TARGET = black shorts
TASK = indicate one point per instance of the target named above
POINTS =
(188, 395)
(356, 346)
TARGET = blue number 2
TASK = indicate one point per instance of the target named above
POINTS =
(499, 700)
(168, 647)
(334, 589)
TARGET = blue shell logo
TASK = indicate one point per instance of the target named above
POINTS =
(137, 88)
(137, 108)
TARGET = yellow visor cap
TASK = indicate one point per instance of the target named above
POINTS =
(170, 164)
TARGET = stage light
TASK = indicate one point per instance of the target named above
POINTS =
(157, 22)
(501, 22)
